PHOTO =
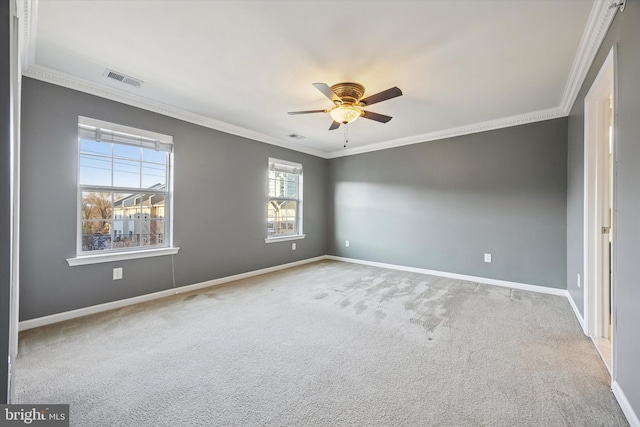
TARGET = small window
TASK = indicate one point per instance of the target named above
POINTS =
(284, 207)
(124, 188)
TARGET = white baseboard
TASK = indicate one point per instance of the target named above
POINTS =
(496, 282)
(625, 405)
(60, 317)
(577, 313)
(67, 315)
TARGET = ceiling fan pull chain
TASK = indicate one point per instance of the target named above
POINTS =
(346, 135)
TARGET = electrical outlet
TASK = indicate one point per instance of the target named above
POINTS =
(293, 246)
(346, 243)
(487, 257)
(579, 284)
(117, 273)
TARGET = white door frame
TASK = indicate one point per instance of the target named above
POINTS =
(596, 153)
(15, 100)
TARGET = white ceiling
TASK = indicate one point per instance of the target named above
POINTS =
(240, 66)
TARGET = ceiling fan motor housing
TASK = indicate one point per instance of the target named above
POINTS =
(349, 93)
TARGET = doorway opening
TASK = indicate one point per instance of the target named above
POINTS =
(599, 212)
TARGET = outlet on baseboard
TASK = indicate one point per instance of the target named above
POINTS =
(117, 273)
(487, 257)
(346, 243)
(293, 246)
(579, 284)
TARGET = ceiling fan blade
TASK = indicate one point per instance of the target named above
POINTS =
(382, 96)
(306, 112)
(375, 116)
(326, 91)
(335, 125)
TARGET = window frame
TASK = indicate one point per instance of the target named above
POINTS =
(289, 167)
(119, 254)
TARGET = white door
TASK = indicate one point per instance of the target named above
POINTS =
(599, 209)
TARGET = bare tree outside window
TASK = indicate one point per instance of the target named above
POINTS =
(124, 191)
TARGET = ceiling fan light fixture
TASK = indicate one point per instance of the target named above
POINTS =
(345, 113)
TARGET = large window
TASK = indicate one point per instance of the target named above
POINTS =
(124, 188)
(284, 207)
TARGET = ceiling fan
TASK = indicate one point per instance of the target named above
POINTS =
(349, 103)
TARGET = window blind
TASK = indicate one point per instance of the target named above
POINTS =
(107, 135)
(284, 166)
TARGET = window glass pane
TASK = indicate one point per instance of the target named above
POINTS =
(96, 205)
(138, 220)
(95, 170)
(272, 188)
(291, 187)
(284, 185)
(122, 240)
(96, 225)
(126, 214)
(90, 146)
(154, 156)
(126, 151)
(96, 236)
(282, 217)
(156, 202)
(145, 233)
(154, 175)
(126, 173)
(145, 205)
(157, 232)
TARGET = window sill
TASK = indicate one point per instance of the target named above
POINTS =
(284, 238)
(120, 256)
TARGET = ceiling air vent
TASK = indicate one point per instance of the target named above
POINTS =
(123, 78)
(295, 136)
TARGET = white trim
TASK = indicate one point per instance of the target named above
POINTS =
(68, 315)
(594, 128)
(60, 317)
(15, 99)
(598, 23)
(284, 238)
(495, 282)
(73, 314)
(120, 256)
(520, 119)
(626, 407)
(594, 33)
(577, 313)
(45, 74)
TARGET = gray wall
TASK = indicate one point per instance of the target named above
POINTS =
(625, 32)
(219, 211)
(5, 194)
(441, 205)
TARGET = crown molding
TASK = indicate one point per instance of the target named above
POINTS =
(66, 80)
(594, 33)
(521, 119)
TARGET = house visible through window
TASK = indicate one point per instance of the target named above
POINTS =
(284, 207)
(124, 188)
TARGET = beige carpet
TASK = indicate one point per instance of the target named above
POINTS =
(326, 344)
